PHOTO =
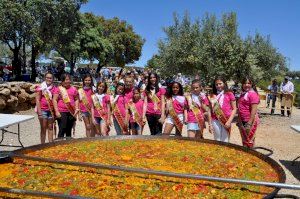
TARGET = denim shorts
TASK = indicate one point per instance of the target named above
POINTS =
(46, 115)
(134, 126)
(85, 114)
(193, 126)
(99, 120)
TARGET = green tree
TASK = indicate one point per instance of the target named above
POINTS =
(94, 44)
(213, 48)
(178, 51)
(126, 43)
(5, 52)
(66, 37)
(37, 23)
(269, 61)
(15, 23)
(154, 63)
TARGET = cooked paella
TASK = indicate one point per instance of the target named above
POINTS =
(178, 156)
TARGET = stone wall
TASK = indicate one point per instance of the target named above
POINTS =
(16, 96)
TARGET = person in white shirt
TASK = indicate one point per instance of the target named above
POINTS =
(286, 89)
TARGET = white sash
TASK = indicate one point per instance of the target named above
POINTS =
(44, 88)
(180, 99)
(115, 99)
(220, 98)
(195, 98)
(100, 97)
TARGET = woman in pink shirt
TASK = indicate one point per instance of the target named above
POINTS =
(247, 108)
(155, 104)
(137, 112)
(176, 106)
(223, 109)
(44, 106)
(119, 110)
(101, 111)
(66, 106)
(85, 100)
(197, 105)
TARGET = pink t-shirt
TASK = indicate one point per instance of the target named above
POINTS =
(105, 100)
(73, 94)
(128, 94)
(191, 118)
(120, 103)
(88, 94)
(43, 101)
(179, 103)
(150, 103)
(139, 107)
(244, 104)
(225, 103)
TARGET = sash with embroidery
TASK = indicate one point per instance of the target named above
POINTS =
(117, 113)
(84, 100)
(174, 115)
(45, 89)
(136, 116)
(197, 112)
(249, 136)
(48, 98)
(216, 107)
(99, 107)
(155, 100)
(66, 99)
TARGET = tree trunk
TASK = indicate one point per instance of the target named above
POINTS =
(16, 64)
(72, 63)
(24, 61)
(72, 66)
(99, 66)
(34, 53)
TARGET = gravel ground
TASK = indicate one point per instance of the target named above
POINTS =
(274, 133)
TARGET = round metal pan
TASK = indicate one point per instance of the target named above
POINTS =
(279, 170)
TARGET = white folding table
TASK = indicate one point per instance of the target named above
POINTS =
(297, 129)
(7, 120)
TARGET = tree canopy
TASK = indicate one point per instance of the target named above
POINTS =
(213, 47)
(45, 25)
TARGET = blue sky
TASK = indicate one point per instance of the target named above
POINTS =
(277, 18)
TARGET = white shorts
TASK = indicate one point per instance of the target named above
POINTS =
(169, 120)
(193, 127)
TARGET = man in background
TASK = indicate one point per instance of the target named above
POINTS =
(273, 89)
(286, 89)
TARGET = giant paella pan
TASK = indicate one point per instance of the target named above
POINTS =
(138, 167)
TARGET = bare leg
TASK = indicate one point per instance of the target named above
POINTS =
(50, 130)
(43, 130)
(191, 133)
(168, 128)
(104, 129)
(87, 126)
(93, 128)
(98, 129)
(134, 132)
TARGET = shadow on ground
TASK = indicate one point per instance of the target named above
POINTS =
(293, 167)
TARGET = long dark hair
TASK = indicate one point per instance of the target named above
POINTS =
(105, 86)
(119, 84)
(214, 89)
(169, 92)
(148, 87)
(245, 79)
(64, 76)
(86, 76)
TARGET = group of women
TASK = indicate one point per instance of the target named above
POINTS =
(129, 108)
